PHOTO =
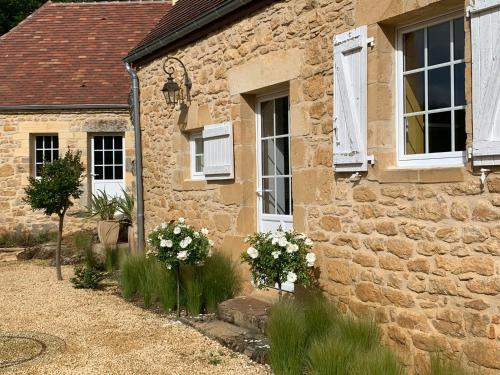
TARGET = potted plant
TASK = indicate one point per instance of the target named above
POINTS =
(125, 205)
(279, 256)
(108, 227)
(177, 243)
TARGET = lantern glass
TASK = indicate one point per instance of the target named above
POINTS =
(171, 91)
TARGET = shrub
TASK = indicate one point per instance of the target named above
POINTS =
(102, 205)
(25, 238)
(363, 333)
(83, 242)
(329, 356)
(87, 278)
(125, 206)
(113, 256)
(321, 316)
(191, 284)
(287, 332)
(130, 270)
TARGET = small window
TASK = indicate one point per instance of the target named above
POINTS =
(197, 156)
(432, 93)
(46, 150)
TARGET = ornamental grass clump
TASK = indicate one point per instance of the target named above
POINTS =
(177, 244)
(280, 256)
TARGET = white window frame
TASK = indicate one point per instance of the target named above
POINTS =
(43, 149)
(440, 159)
(192, 155)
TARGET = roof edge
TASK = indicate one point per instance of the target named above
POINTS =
(48, 107)
(214, 14)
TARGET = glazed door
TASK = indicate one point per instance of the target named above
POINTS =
(274, 175)
(107, 164)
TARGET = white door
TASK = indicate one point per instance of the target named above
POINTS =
(107, 164)
(274, 173)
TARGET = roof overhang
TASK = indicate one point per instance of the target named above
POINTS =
(51, 107)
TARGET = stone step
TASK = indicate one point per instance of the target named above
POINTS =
(247, 312)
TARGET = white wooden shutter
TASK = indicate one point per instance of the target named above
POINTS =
(218, 151)
(485, 30)
(349, 99)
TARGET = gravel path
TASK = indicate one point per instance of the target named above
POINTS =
(103, 333)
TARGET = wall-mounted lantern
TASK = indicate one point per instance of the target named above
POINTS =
(171, 90)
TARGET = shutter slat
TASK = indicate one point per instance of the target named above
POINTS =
(350, 90)
(218, 151)
(485, 36)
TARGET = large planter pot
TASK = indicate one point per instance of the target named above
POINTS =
(108, 231)
(132, 244)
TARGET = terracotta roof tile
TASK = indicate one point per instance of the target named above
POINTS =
(71, 53)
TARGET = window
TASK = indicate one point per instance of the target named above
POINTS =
(197, 156)
(46, 150)
(431, 81)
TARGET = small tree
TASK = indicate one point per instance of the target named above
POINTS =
(59, 181)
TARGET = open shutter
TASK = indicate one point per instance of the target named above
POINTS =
(485, 36)
(218, 151)
(349, 99)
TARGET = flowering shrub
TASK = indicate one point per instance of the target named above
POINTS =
(279, 256)
(176, 242)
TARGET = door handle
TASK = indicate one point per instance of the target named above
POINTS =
(94, 174)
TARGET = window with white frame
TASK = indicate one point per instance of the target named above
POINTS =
(46, 150)
(197, 156)
(431, 95)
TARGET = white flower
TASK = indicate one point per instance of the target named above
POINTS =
(196, 234)
(169, 267)
(177, 230)
(163, 225)
(275, 240)
(308, 242)
(163, 243)
(185, 242)
(182, 255)
(252, 252)
(283, 242)
(204, 231)
(291, 277)
(292, 248)
(169, 243)
(181, 220)
(310, 259)
(211, 243)
(209, 253)
(276, 254)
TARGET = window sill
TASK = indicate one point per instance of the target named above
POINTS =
(423, 175)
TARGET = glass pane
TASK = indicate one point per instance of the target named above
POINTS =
(439, 94)
(119, 172)
(459, 84)
(415, 135)
(55, 154)
(38, 169)
(268, 196)
(55, 142)
(39, 142)
(440, 132)
(98, 143)
(118, 142)
(39, 156)
(458, 38)
(108, 173)
(199, 163)
(282, 156)
(47, 140)
(118, 157)
(414, 92)
(283, 196)
(268, 157)
(108, 143)
(281, 106)
(47, 155)
(414, 49)
(267, 118)
(98, 173)
(460, 134)
(438, 44)
(108, 157)
(98, 157)
(198, 145)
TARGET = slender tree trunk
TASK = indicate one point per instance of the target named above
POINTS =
(280, 291)
(178, 291)
(58, 249)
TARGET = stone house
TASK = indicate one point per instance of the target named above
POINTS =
(373, 126)
(63, 85)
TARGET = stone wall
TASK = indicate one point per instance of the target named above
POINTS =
(73, 128)
(417, 248)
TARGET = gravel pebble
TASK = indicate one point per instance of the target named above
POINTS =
(103, 333)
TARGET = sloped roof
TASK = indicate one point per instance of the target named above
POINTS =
(71, 53)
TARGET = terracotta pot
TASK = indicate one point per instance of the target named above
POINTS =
(108, 231)
(132, 245)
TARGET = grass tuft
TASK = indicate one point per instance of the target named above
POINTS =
(441, 365)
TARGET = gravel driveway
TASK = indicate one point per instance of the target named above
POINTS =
(102, 333)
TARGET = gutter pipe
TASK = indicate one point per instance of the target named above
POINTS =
(136, 122)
